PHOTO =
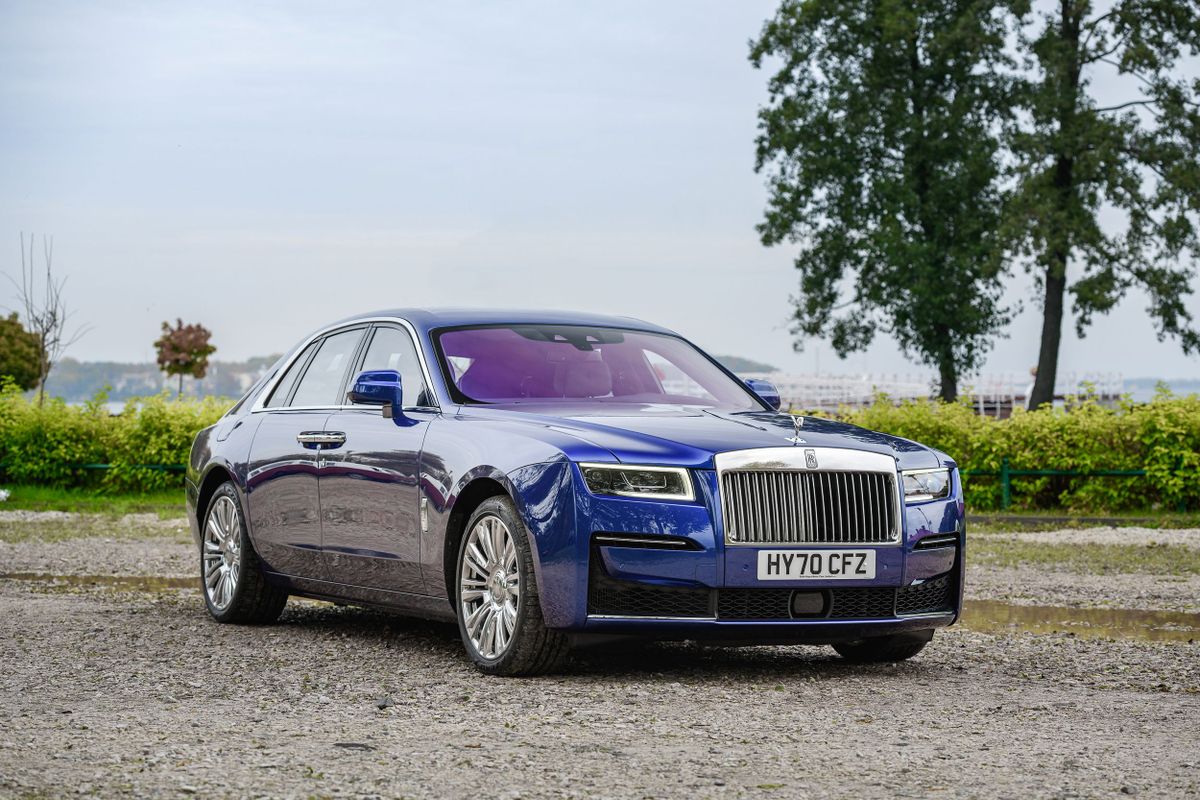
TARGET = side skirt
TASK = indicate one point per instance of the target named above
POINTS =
(415, 605)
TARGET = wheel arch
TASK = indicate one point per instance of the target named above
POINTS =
(468, 499)
(543, 499)
(216, 475)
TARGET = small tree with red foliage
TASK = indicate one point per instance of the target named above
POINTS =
(184, 350)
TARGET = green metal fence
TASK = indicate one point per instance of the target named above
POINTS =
(155, 467)
(1006, 473)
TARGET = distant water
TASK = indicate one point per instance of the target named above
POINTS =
(113, 407)
(1141, 390)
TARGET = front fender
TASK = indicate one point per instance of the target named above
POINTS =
(544, 495)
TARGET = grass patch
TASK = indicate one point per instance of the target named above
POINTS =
(1013, 523)
(1094, 559)
(167, 504)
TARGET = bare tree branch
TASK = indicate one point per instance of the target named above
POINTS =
(1152, 104)
(1094, 26)
(46, 316)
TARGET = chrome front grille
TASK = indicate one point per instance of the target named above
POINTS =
(809, 507)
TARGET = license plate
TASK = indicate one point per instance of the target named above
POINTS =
(831, 565)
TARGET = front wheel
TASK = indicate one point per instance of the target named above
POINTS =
(499, 615)
(235, 588)
(883, 649)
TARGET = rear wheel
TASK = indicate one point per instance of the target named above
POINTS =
(499, 615)
(235, 587)
(882, 649)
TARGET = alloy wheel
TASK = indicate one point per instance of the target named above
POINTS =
(222, 552)
(489, 586)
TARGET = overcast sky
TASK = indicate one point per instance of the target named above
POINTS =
(264, 168)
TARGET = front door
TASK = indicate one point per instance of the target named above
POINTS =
(371, 521)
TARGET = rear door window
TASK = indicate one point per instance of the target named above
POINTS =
(326, 373)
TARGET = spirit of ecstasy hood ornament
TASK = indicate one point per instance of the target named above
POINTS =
(797, 423)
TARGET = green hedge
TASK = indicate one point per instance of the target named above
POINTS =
(1162, 437)
(49, 445)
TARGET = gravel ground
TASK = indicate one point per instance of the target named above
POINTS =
(1137, 536)
(1039, 586)
(1054, 585)
(168, 557)
(112, 692)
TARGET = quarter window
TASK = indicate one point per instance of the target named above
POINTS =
(322, 381)
(392, 348)
(284, 387)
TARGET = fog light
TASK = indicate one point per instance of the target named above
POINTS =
(808, 604)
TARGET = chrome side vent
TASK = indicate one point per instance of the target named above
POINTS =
(646, 541)
(940, 540)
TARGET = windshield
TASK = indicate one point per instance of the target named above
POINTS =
(579, 364)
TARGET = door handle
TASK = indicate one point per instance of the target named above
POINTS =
(330, 439)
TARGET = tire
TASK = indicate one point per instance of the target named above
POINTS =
(496, 600)
(231, 576)
(884, 649)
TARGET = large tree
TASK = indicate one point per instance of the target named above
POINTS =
(1135, 157)
(880, 141)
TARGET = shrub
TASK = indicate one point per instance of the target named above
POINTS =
(1161, 437)
(52, 444)
(159, 432)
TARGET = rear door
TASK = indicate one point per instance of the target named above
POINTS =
(283, 497)
(371, 532)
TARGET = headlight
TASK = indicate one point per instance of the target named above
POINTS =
(925, 484)
(660, 483)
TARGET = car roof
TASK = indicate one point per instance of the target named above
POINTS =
(427, 319)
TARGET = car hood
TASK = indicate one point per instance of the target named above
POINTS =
(691, 436)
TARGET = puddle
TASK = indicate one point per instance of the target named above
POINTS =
(121, 583)
(991, 616)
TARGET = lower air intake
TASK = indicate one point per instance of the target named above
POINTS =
(608, 596)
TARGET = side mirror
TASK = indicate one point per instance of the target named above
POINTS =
(380, 387)
(766, 390)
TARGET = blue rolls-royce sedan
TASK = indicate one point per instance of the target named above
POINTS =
(547, 478)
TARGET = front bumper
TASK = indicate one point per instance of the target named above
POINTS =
(802, 611)
(567, 554)
(708, 590)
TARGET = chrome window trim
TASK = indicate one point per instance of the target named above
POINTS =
(266, 391)
(794, 459)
